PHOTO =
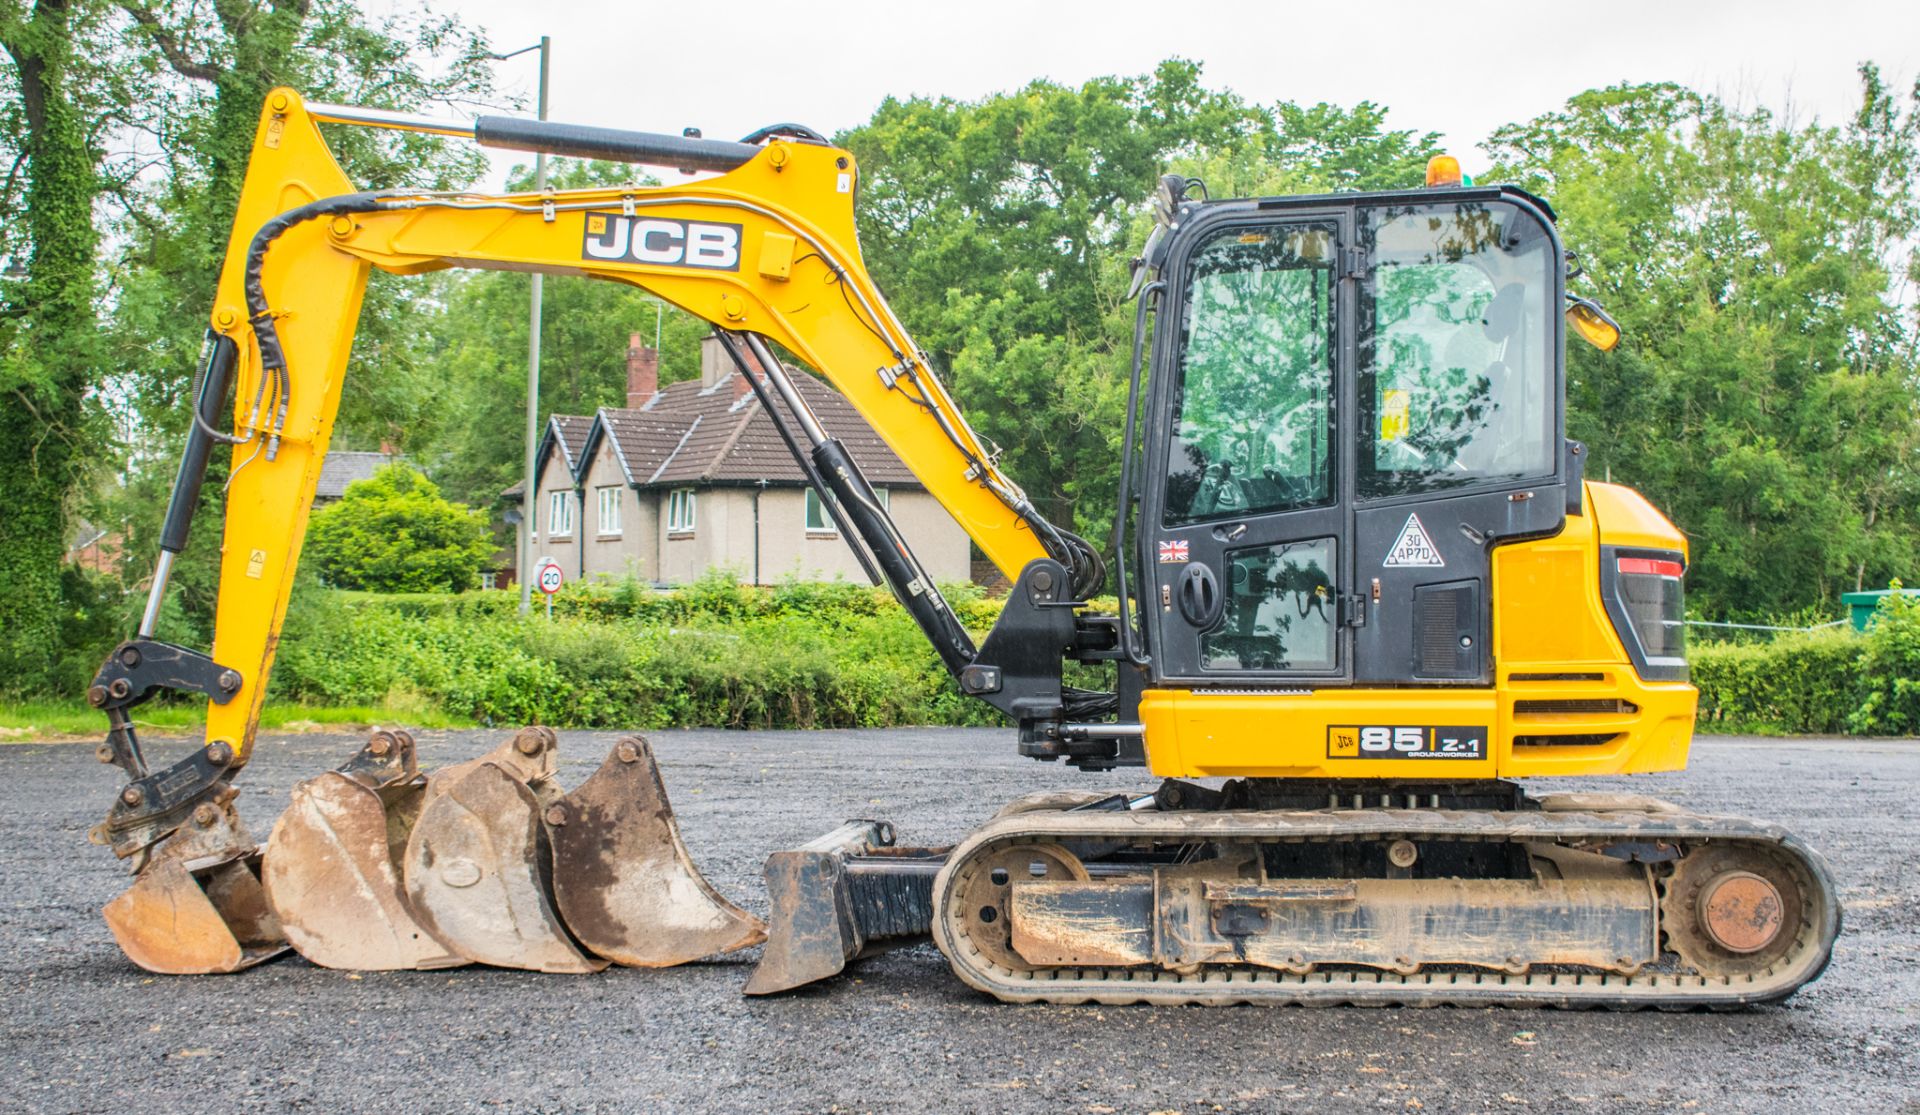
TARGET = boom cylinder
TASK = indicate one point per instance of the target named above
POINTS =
(214, 381)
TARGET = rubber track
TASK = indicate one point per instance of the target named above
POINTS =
(1224, 985)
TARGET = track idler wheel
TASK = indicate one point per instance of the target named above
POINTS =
(197, 907)
(332, 868)
(1734, 911)
(477, 864)
(625, 884)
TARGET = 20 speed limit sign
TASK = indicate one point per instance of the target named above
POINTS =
(549, 577)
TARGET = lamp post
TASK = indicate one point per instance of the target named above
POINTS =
(528, 492)
(659, 315)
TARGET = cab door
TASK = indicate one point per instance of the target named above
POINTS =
(1246, 533)
(1458, 385)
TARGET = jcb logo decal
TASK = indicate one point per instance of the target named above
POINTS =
(661, 241)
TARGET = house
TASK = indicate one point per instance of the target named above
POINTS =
(695, 476)
(343, 467)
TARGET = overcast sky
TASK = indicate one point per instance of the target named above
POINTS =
(1460, 69)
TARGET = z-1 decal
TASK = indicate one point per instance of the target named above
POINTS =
(662, 241)
(1405, 741)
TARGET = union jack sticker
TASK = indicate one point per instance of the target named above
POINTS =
(1173, 550)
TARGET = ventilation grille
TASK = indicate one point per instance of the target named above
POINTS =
(1599, 705)
(1446, 627)
(1556, 677)
(1580, 739)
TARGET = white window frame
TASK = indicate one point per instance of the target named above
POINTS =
(682, 511)
(815, 508)
(607, 511)
(559, 514)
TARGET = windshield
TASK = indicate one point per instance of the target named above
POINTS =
(1253, 414)
(1455, 346)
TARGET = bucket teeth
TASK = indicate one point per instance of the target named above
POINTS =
(197, 906)
(477, 863)
(332, 870)
(624, 881)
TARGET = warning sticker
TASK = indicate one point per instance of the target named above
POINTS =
(1413, 547)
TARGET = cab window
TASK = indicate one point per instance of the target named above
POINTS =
(1253, 410)
(1455, 347)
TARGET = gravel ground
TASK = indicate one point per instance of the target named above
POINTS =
(86, 1031)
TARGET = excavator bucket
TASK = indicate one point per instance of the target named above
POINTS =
(332, 868)
(197, 907)
(624, 882)
(477, 864)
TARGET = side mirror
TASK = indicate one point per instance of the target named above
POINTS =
(1593, 324)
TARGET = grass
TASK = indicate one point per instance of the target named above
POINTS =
(43, 721)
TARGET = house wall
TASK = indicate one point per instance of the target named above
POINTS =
(937, 540)
(634, 552)
(724, 536)
(553, 476)
(684, 556)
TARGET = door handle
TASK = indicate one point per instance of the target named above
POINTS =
(1201, 600)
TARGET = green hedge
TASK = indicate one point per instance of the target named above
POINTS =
(714, 654)
(1824, 682)
(718, 654)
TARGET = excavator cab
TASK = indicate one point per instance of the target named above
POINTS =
(1352, 397)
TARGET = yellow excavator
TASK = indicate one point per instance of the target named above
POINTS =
(1360, 578)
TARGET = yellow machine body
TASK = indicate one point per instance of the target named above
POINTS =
(1553, 642)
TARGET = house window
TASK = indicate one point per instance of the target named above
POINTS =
(819, 521)
(680, 511)
(560, 514)
(608, 519)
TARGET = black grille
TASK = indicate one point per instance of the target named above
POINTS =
(1446, 630)
(1577, 739)
(1537, 708)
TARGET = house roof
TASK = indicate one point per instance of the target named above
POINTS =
(687, 434)
(343, 467)
(567, 432)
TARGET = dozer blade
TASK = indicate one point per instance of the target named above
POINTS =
(197, 907)
(848, 893)
(624, 882)
(476, 865)
(332, 873)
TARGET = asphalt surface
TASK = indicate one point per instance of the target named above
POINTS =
(84, 1030)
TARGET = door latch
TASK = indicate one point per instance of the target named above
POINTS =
(1353, 610)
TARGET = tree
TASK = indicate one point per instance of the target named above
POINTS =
(1765, 393)
(50, 337)
(394, 533)
(479, 361)
(1001, 230)
(207, 79)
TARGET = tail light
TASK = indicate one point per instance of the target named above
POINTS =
(1647, 604)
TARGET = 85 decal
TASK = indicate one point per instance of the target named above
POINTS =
(1405, 741)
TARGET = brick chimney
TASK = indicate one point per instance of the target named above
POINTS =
(643, 372)
(716, 365)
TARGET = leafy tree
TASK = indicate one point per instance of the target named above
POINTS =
(1001, 230)
(1765, 393)
(479, 365)
(208, 72)
(48, 361)
(394, 533)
